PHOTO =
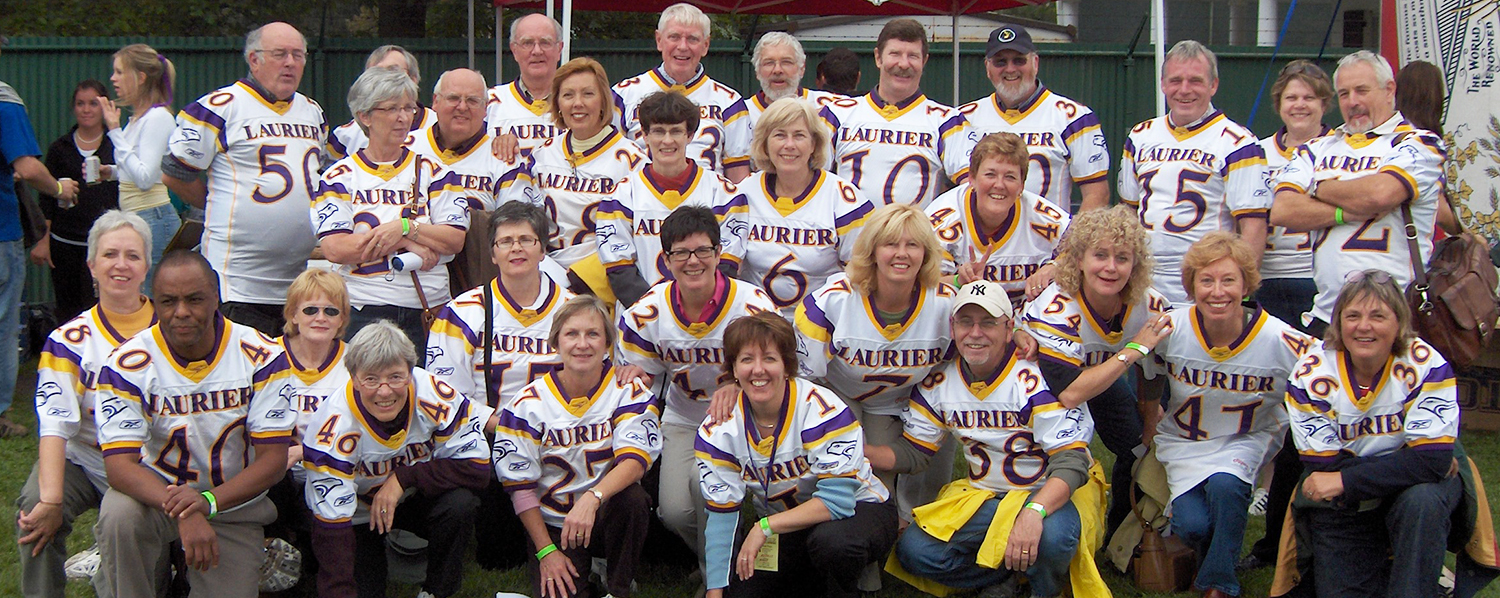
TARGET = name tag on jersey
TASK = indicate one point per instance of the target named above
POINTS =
(769, 556)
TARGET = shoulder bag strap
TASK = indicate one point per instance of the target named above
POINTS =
(489, 345)
(1418, 268)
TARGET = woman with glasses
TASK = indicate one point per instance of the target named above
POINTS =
(385, 202)
(1374, 413)
(676, 331)
(1226, 364)
(628, 235)
(876, 330)
(68, 478)
(571, 448)
(396, 448)
(796, 453)
(143, 80)
(349, 137)
(803, 219)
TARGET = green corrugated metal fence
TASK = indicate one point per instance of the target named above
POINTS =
(1120, 90)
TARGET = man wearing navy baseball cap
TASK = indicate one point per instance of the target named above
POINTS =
(1063, 136)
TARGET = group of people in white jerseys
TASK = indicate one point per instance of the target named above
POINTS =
(798, 300)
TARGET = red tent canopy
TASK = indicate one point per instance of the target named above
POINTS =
(796, 7)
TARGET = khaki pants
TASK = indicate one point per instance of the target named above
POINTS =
(679, 499)
(42, 575)
(133, 541)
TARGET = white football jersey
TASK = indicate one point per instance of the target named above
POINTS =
(71, 360)
(795, 243)
(347, 453)
(573, 184)
(629, 224)
(1186, 182)
(1225, 412)
(1010, 424)
(1020, 245)
(195, 422)
(519, 351)
(312, 383)
(561, 446)
(1288, 254)
(357, 195)
(512, 110)
(1414, 403)
(1068, 331)
(842, 342)
(1067, 146)
(348, 138)
(1396, 148)
(817, 437)
(758, 103)
(656, 336)
(898, 152)
(723, 137)
(487, 181)
(262, 159)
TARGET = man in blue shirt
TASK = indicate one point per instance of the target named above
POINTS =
(18, 160)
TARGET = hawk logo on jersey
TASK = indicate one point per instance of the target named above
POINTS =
(504, 447)
(739, 228)
(703, 473)
(110, 408)
(843, 450)
(1438, 407)
(188, 135)
(322, 487)
(326, 212)
(46, 391)
(606, 234)
(650, 438)
(433, 353)
(1311, 427)
(1074, 424)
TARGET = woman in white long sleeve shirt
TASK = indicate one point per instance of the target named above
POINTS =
(143, 80)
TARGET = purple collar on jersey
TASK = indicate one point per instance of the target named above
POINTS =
(297, 364)
(1025, 104)
(1208, 117)
(114, 335)
(462, 147)
(768, 182)
(220, 326)
(1244, 333)
(385, 430)
(763, 103)
(901, 105)
(1280, 138)
(989, 379)
(261, 90)
(715, 303)
(988, 237)
(661, 73)
(680, 183)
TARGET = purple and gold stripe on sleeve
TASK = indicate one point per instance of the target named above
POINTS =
(270, 437)
(633, 341)
(449, 324)
(123, 447)
(629, 410)
(855, 218)
(706, 451)
(316, 460)
(630, 453)
(1298, 399)
(60, 358)
(812, 322)
(834, 427)
(1407, 180)
(1080, 126)
(201, 115)
(512, 424)
(1249, 155)
(1251, 213)
(113, 383)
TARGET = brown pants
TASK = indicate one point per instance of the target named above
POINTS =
(619, 535)
(133, 540)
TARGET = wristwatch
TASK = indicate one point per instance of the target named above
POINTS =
(597, 494)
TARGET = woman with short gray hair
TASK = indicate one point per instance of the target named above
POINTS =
(388, 216)
(398, 449)
(350, 137)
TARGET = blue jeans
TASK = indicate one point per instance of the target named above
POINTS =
(163, 222)
(1411, 526)
(953, 563)
(1211, 519)
(12, 282)
(1287, 298)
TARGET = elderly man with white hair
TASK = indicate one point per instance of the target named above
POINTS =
(519, 108)
(722, 142)
(1351, 187)
(780, 64)
(348, 137)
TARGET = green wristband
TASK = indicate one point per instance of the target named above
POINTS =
(405, 227)
(765, 526)
(546, 550)
(1338, 216)
(1144, 351)
(213, 503)
(1041, 510)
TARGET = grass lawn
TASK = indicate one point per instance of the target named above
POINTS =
(659, 579)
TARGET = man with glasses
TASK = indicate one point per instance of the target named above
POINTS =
(348, 137)
(629, 223)
(249, 155)
(195, 423)
(722, 141)
(519, 108)
(1067, 148)
(1348, 187)
(677, 330)
(780, 64)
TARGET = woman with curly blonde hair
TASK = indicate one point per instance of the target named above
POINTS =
(1093, 323)
(888, 302)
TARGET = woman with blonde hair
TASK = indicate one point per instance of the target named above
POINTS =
(1092, 324)
(803, 219)
(143, 80)
(890, 300)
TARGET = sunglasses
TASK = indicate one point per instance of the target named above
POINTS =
(328, 310)
(1375, 276)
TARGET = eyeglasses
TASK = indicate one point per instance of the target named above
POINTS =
(702, 253)
(524, 242)
(1375, 276)
(282, 55)
(328, 310)
(543, 44)
(455, 99)
(786, 64)
(396, 110)
(1018, 61)
(374, 382)
(678, 131)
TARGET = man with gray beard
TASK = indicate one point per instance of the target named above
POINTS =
(780, 64)
(1067, 147)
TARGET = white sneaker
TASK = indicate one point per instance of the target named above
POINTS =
(84, 565)
(1258, 501)
(425, 594)
(1446, 582)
